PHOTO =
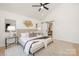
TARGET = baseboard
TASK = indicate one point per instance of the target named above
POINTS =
(71, 41)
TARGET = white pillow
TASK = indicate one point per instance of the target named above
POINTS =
(24, 35)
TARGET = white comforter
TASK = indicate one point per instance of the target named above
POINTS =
(23, 40)
(28, 45)
(35, 47)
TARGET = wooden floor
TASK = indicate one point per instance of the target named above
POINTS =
(2, 51)
(57, 48)
(60, 48)
(70, 48)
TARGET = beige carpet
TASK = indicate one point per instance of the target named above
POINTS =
(57, 48)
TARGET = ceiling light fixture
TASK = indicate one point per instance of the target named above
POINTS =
(41, 7)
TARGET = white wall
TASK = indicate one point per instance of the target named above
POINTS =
(67, 22)
(2, 31)
(19, 19)
(19, 23)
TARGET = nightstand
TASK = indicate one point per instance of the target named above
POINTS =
(15, 39)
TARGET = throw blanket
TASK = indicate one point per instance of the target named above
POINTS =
(28, 47)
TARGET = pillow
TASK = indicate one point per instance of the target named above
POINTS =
(24, 35)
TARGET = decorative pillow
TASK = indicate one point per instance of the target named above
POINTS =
(24, 35)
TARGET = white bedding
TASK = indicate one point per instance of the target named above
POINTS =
(35, 46)
(22, 40)
(39, 45)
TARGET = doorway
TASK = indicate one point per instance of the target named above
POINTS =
(47, 28)
(50, 30)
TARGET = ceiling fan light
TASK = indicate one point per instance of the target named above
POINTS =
(41, 7)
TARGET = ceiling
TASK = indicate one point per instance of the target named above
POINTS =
(27, 10)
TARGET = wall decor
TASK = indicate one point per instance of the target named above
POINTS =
(28, 23)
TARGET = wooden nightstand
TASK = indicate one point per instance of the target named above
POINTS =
(10, 38)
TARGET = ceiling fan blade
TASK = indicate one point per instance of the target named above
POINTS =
(39, 9)
(46, 8)
(41, 4)
(36, 6)
(46, 3)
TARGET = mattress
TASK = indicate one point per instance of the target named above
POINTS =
(36, 46)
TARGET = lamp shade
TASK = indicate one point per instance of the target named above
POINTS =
(11, 28)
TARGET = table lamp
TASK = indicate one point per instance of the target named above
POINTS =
(11, 29)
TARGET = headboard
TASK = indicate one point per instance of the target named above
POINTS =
(32, 32)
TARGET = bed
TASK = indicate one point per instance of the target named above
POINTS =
(38, 43)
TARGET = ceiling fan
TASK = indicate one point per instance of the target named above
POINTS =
(42, 5)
